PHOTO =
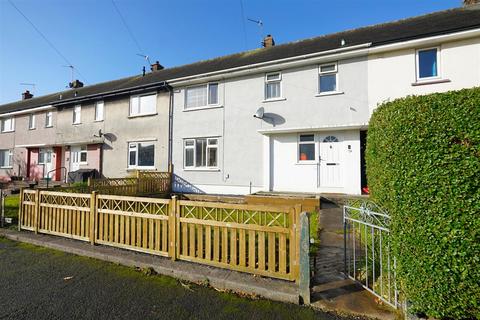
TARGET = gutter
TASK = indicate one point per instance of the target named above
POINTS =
(25, 111)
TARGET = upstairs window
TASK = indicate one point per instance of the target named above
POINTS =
(327, 78)
(77, 114)
(273, 88)
(8, 124)
(48, 119)
(201, 153)
(201, 96)
(427, 63)
(145, 104)
(99, 106)
(6, 158)
(306, 147)
(141, 155)
(31, 121)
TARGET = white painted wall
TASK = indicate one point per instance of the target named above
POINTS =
(391, 74)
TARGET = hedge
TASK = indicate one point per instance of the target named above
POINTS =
(423, 166)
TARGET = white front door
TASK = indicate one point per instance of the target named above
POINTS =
(330, 162)
(45, 158)
(78, 155)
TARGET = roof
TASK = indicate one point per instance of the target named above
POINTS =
(437, 23)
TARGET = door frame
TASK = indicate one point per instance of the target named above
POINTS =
(321, 136)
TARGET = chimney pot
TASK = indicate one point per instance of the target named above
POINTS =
(75, 84)
(156, 66)
(26, 95)
(268, 41)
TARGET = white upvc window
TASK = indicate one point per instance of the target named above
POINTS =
(201, 96)
(44, 156)
(48, 119)
(201, 153)
(6, 158)
(273, 86)
(144, 104)
(306, 147)
(427, 63)
(99, 108)
(141, 155)
(328, 78)
(32, 121)
(77, 114)
(8, 124)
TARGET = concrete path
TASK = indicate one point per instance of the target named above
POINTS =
(39, 283)
(331, 290)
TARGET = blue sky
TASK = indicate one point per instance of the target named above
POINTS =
(91, 35)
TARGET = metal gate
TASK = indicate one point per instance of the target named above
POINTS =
(367, 250)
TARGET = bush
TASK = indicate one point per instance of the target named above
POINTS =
(423, 166)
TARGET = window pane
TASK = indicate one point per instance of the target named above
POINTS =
(212, 142)
(213, 93)
(196, 96)
(328, 83)
(31, 121)
(148, 104)
(306, 152)
(273, 90)
(274, 76)
(134, 105)
(427, 63)
(48, 119)
(306, 137)
(3, 158)
(212, 157)
(328, 68)
(99, 111)
(189, 142)
(131, 157)
(200, 153)
(146, 154)
(189, 157)
(83, 156)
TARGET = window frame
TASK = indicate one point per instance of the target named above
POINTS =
(77, 110)
(139, 96)
(48, 151)
(9, 156)
(279, 80)
(12, 124)
(417, 64)
(209, 104)
(83, 150)
(96, 119)
(32, 121)
(208, 148)
(136, 144)
(314, 142)
(49, 119)
(324, 73)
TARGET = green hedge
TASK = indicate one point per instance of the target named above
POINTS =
(423, 166)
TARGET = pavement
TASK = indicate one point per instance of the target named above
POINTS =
(41, 283)
(331, 290)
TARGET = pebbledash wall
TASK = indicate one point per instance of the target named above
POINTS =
(257, 154)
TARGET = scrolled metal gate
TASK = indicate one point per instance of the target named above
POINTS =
(367, 248)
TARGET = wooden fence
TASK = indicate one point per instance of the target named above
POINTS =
(262, 240)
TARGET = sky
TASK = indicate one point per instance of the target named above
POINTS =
(91, 36)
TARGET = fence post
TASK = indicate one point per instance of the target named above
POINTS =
(304, 248)
(298, 210)
(93, 217)
(172, 226)
(37, 211)
(20, 210)
(89, 181)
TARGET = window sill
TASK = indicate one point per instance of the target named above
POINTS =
(32, 129)
(142, 115)
(273, 100)
(202, 108)
(46, 127)
(306, 162)
(6, 167)
(432, 81)
(8, 131)
(98, 120)
(76, 124)
(330, 93)
(202, 169)
(141, 168)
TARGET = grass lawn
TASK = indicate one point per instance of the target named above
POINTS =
(11, 206)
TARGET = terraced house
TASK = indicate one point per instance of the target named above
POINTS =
(290, 117)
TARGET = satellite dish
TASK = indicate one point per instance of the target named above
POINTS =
(100, 134)
(259, 114)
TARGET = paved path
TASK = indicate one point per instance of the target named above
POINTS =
(38, 283)
(331, 290)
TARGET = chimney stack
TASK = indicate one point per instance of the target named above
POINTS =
(75, 84)
(467, 3)
(26, 95)
(268, 41)
(156, 66)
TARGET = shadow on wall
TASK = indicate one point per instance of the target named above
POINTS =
(273, 118)
(182, 185)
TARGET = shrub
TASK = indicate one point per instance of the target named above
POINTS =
(423, 166)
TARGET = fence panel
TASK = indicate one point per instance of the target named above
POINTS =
(140, 224)
(254, 239)
(27, 209)
(117, 186)
(64, 214)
